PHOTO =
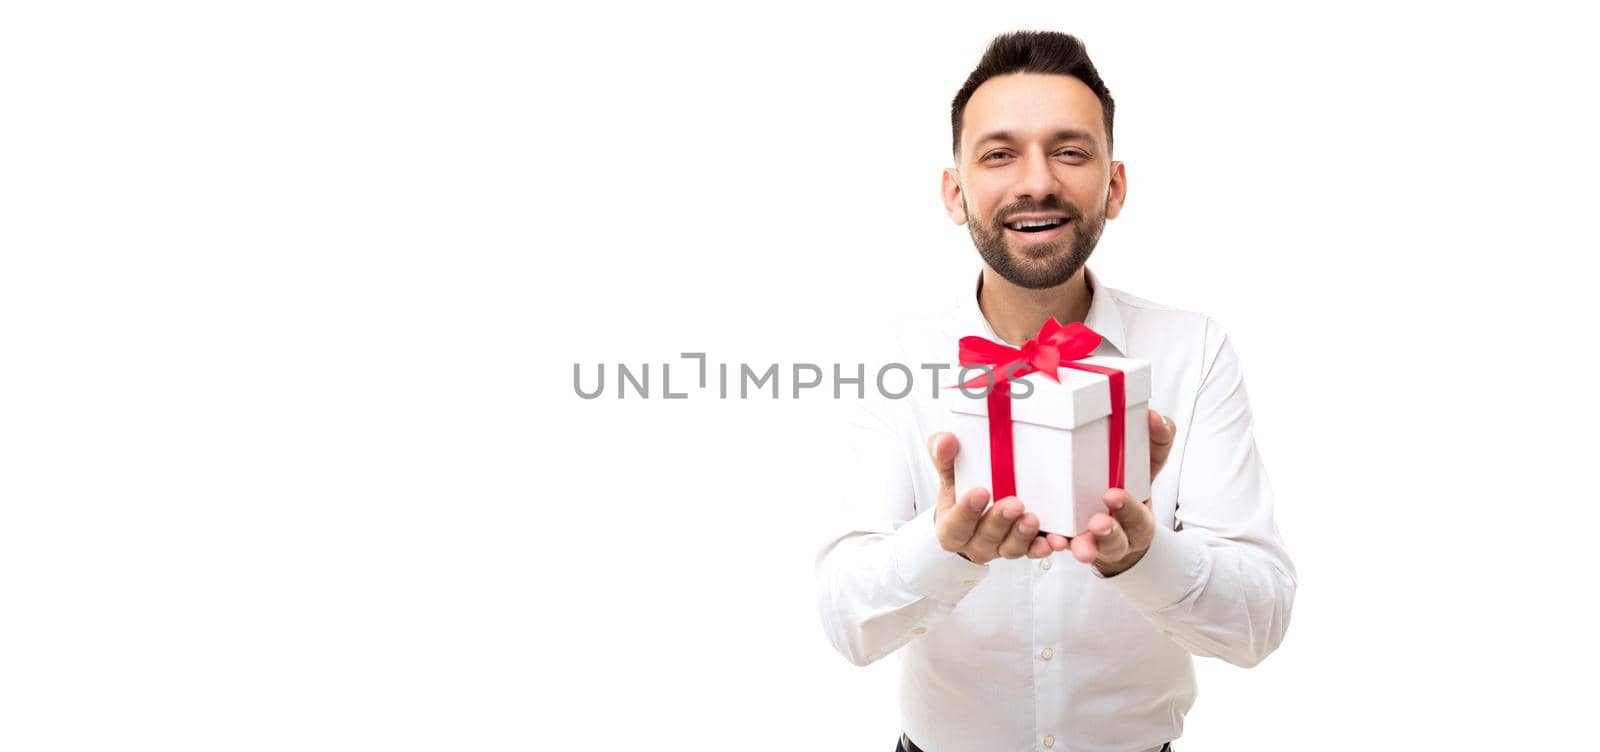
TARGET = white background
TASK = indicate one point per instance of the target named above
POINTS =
(291, 293)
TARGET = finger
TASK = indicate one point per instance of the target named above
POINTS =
(1023, 533)
(1057, 542)
(1163, 431)
(1134, 519)
(942, 448)
(956, 526)
(1083, 547)
(1115, 499)
(1039, 548)
(995, 525)
(1111, 544)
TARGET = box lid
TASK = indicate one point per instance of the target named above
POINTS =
(1081, 397)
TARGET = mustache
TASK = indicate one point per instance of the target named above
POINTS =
(1050, 203)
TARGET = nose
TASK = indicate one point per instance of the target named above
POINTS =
(1037, 180)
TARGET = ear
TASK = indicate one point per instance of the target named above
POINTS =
(1117, 192)
(950, 190)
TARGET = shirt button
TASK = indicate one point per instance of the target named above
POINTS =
(1047, 654)
(919, 630)
(1044, 564)
(1049, 741)
(1167, 632)
(969, 582)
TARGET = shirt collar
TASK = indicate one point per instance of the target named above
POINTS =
(1105, 317)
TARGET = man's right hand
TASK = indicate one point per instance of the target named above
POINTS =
(1006, 530)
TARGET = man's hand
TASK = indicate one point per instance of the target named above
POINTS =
(1006, 530)
(1162, 431)
(1118, 540)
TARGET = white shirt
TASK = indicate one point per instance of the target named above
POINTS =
(1046, 654)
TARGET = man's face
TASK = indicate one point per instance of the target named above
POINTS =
(1034, 182)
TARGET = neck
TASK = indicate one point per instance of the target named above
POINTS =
(1016, 313)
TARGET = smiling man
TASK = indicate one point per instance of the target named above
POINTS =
(1005, 644)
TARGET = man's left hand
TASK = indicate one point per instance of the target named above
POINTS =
(1117, 541)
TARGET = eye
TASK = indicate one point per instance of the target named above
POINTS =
(1073, 153)
(998, 153)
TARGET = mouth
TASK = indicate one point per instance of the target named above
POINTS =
(1037, 230)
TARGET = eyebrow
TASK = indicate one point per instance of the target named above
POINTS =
(1065, 134)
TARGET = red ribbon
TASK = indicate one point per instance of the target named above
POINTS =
(1055, 346)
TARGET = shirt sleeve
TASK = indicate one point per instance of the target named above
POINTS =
(1221, 584)
(882, 579)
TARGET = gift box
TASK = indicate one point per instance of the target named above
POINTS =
(1057, 447)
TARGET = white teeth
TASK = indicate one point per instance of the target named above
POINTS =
(1027, 223)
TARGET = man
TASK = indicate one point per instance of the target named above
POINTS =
(1005, 645)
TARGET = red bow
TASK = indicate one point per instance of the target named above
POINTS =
(1044, 353)
(1055, 346)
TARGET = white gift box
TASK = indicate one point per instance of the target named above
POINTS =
(1060, 442)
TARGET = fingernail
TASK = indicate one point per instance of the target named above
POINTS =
(976, 504)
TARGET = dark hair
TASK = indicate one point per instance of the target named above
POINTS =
(1031, 52)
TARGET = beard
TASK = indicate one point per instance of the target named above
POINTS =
(1037, 266)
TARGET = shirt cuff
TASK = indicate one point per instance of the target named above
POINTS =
(1164, 575)
(927, 568)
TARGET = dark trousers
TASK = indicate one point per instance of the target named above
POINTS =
(905, 745)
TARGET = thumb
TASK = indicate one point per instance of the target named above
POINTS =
(942, 449)
(1134, 517)
(1162, 431)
